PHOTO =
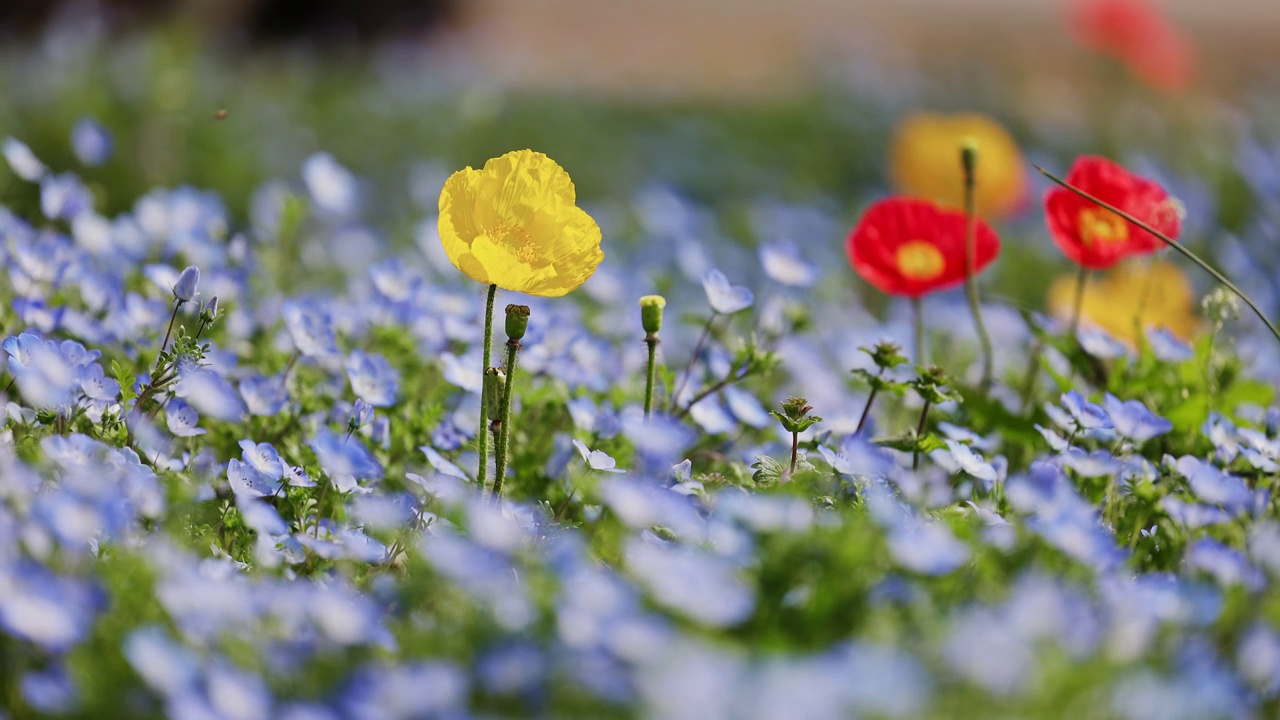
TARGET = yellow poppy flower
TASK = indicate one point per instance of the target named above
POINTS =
(515, 224)
(924, 162)
(1112, 301)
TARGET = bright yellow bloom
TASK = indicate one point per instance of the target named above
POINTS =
(515, 224)
(924, 162)
(1112, 301)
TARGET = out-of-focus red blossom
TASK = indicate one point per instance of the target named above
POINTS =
(907, 246)
(1095, 237)
(1137, 33)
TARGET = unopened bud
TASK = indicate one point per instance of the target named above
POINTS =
(494, 388)
(517, 321)
(651, 313)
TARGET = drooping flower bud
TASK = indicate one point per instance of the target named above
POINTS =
(185, 288)
(494, 389)
(517, 321)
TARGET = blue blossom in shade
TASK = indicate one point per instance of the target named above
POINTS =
(1214, 486)
(746, 408)
(512, 668)
(447, 436)
(1193, 515)
(726, 299)
(642, 504)
(1222, 433)
(1258, 657)
(372, 378)
(1084, 414)
(184, 288)
(361, 415)
(409, 690)
(1167, 347)
(712, 417)
(1100, 344)
(48, 610)
(856, 457)
(1098, 463)
(22, 160)
(969, 437)
(260, 516)
(597, 459)
(1132, 419)
(660, 440)
(236, 693)
(50, 691)
(1057, 443)
(461, 372)
(91, 142)
(244, 479)
(928, 548)
(43, 375)
(332, 187)
(64, 197)
(442, 465)
(344, 460)
(783, 264)
(1227, 565)
(263, 458)
(263, 395)
(311, 329)
(690, 582)
(986, 649)
(182, 419)
(96, 386)
(209, 393)
(970, 462)
(296, 476)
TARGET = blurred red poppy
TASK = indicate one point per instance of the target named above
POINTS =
(906, 246)
(1095, 237)
(1135, 32)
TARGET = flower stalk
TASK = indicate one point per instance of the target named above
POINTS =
(482, 439)
(517, 323)
(651, 319)
(969, 163)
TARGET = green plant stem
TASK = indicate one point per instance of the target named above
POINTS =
(971, 279)
(504, 435)
(1082, 281)
(167, 333)
(917, 312)
(1167, 241)
(483, 440)
(866, 409)
(915, 453)
(1032, 374)
(714, 388)
(795, 449)
(652, 342)
(693, 359)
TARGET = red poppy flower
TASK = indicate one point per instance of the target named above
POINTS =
(906, 246)
(1096, 237)
(1135, 32)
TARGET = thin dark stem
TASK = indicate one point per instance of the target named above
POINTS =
(483, 440)
(652, 342)
(1166, 240)
(971, 280)
(172, 318)
(712, 389)
(915, 453)
(504, 437)
(1082, 281)
(693, 359)
(795, 448)
(866, 409)
(917, 313)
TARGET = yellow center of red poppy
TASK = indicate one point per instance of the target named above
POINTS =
(919, 260)
(1099, 226)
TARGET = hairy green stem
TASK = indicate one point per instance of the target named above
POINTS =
(504, 423)
(652, 342)
(971, 279)
(483, 440)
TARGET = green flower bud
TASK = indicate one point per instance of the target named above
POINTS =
(517, 321)
(651, 313)
(795, 415)
(969, 158)
(495, 381)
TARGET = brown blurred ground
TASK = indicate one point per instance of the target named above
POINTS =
(753, 46)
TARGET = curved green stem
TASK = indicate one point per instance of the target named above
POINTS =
(483, 439)
(504, 423)
(1167, 241)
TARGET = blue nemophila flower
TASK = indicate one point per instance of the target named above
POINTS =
(1168, 347)
(208, 392)
(726, 299)
(372, 378)
(441, 465)
(1098, 463)
(712, 417)
(42, 372)
(236, 693)
(361, 415)
(182, 419)
(50, 691)
(642, 504)
(263, 395)
(783, 264)
(1258, 656)
(1227, 565)
(1084, 414)
(311, 328)
(407, 690)
(690, 582)
(49, 610)
(1057, 443)
(184, 289)
(96, 385)
(64, 197)
(245, 479)
(332, 187)
(22, 160)
(263, 457)
(1212, 485)
(91, 142)
(970, 462)
(1132, 420)
(597, 459)
(345, 460)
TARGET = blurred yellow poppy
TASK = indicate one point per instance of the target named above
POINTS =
(515, 224)
(1112, 301)
(924, 162)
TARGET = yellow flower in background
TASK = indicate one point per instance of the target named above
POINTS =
(924, 162)
(515, 224)
(1112, 300)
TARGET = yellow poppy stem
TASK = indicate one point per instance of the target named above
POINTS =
(1167, 241)
(969, 162)
(504, 435)
(652, 341)
(483, 439)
